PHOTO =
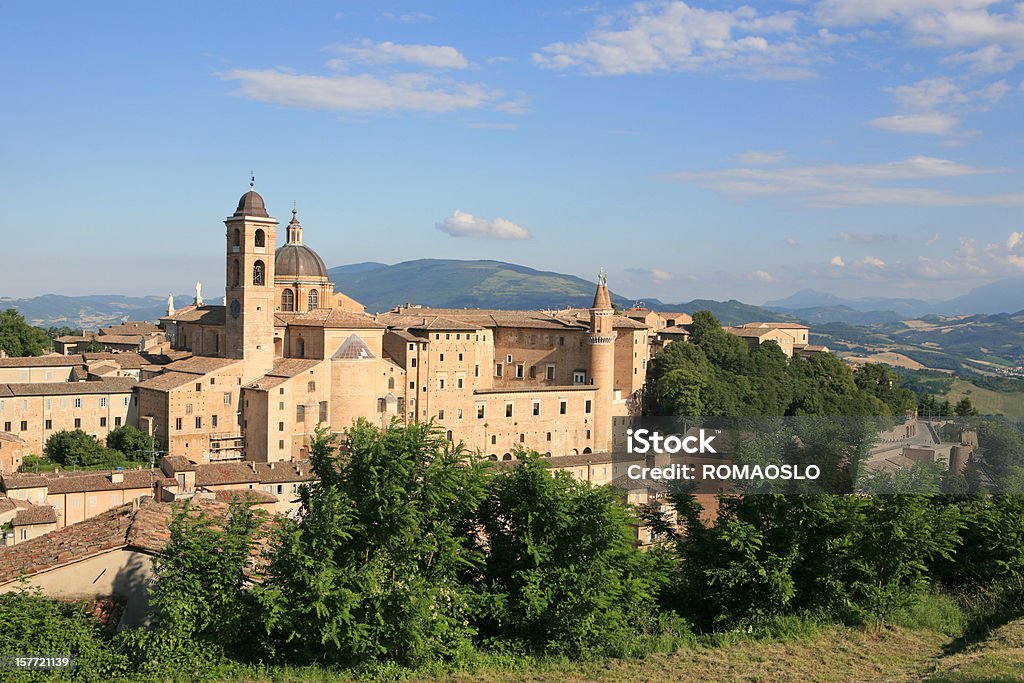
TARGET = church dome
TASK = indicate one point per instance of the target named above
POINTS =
(298, 262)
(251, 204)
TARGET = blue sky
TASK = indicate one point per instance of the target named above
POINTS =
(721, 150)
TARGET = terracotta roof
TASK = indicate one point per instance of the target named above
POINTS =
(167, 381)
(109, 385)
(9, 504)
(246, 495)
(533, 388)
(95, 535)
(22, 480)
(54, 360)
(477, 318)
(602, 298)
(130, 328)
(200, 365)
(35, 514)
(220, 473)
(285, 471)
(144, 529)
(204, 315)
(78, 482)
(334, 317)
(172, 464)
(13, 438)
(292, 367)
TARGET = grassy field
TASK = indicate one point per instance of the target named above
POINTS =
(824, 654)
(988, 402)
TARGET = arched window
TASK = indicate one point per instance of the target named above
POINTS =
(587, 451)
(314, 299)
(261, 238)
(300, 348)
(235, 270)
(391, 382)
(258, 276)
(236, 239)
(287, 300)
(507, 456)
(449, 435)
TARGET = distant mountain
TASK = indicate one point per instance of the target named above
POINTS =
(449, 283)
(1003, 296)
(90, 312)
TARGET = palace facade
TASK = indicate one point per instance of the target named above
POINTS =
(286, 353)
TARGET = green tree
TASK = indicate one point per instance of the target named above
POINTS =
(373, 568)
(32, 624)
(18, 338)
(964, 408)
(561, 574)
(202, 607)
(74, 449)
(132, 442)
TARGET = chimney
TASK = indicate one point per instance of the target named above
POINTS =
(117, 476)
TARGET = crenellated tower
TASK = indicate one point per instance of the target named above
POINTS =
(602, 363)
(250, 295)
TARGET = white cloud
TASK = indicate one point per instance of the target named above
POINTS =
(936, 106)
(1013, 240)
(433, 56)
(462, 224)
(363, 92)
(790, 242)
(756, 158)
(406, 17)
(673, 36)
(660, 275)
(761, 276)
(873, 261)
(933, 239)
(866, 238)
(839, 185)
(837, 261)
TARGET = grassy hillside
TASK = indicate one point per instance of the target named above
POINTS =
(987, 401)
(824, 655)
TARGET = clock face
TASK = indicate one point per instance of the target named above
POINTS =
(236, 309)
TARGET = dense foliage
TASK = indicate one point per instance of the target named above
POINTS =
(18, 338)
(717, 374)
(76, 449)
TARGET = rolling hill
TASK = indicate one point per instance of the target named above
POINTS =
(448, 283)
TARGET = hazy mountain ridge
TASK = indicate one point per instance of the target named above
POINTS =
(1002, 296)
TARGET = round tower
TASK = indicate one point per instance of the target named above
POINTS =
(602, 363)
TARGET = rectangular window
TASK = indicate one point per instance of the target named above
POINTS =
(563, 407)
(480, 410)
(579, 376)
(117, 421)
(412, 385)
(494, 439)
(103, 422)
(561, 341)
(440, 383)
(587, 405)
(412, 363)
(476, 370)
(199, 423)
(460, 357)
(103, 401)
(323, 411)
(458, 413)
(300, 413)
(78, 403)
(199, 386)
(24, 426)
(127, 399)
(48, 424)
(213, 421)
(177, 424)
(311, 386)
(549, 373)
(227, 399)
(280, 444)
(441, 357)
(7, 426)
(522, 438)
(440, 415)
(549, 436)
(533, 372)
(78, 423)
(536, 408)
(588, 433)
(508, 409)
(508, 359)
(520, 371)
(280, 426)
(188, 408)
(497, 369)
(459, 382)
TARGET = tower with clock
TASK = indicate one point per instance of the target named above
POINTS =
(250, 295)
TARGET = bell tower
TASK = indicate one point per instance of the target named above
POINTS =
(250, 295)
(602, 363)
